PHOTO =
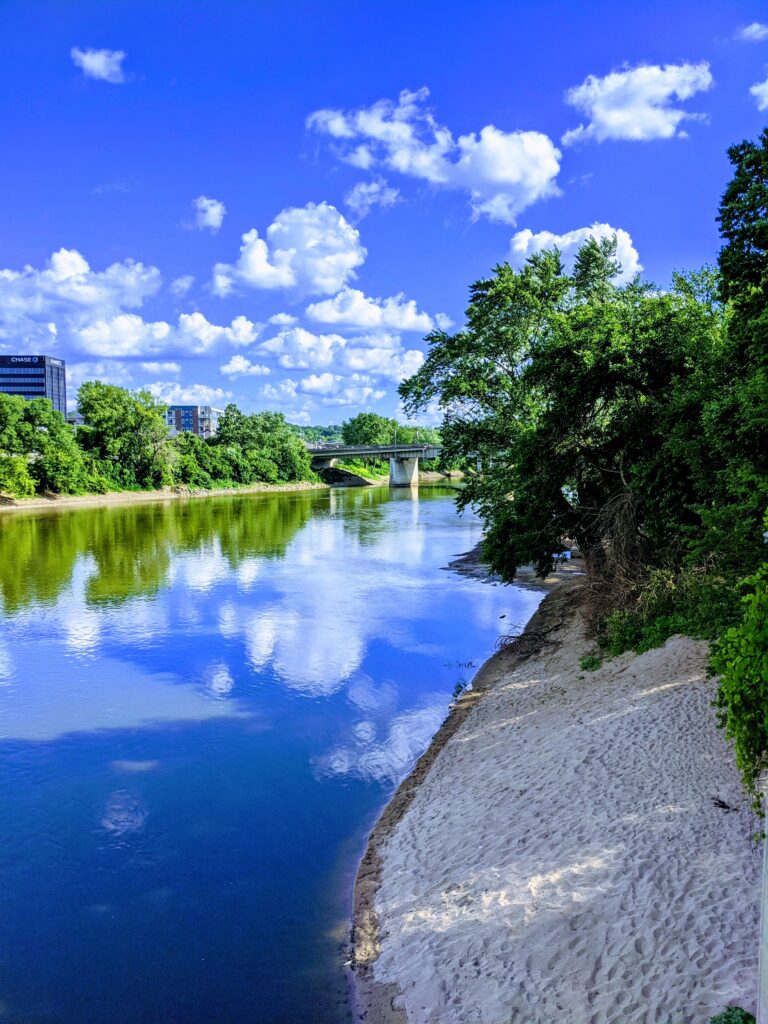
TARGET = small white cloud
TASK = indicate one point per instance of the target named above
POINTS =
(209, 214)
(524, 243)
(351, 308)
(443, 321)
(760, 91)
(503, 172)
(754, 33)
(181, 285)
(106, 65)
(239, 366)
(282, 319)
(108, 371)
(311, 248)
(188, 394)
(637, 103)
(161, 367)
(367, 194)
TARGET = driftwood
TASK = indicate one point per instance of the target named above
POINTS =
(524, 645)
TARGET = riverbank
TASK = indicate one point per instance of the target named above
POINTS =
(574, 847)
(55, 501)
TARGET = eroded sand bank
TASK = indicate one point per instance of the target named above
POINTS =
(574, 848)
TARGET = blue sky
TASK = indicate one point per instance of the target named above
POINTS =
(272, 203)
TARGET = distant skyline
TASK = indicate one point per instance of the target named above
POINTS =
(272, 204)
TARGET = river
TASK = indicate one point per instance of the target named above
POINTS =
(204, 705)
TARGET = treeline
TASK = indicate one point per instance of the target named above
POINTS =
(630, 420)
(125, 444)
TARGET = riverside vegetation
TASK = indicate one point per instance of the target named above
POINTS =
(125, 444)
(630, 420)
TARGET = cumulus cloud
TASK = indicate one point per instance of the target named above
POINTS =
(39, 305)
(188, 394)
(754, 33)
(330, 389)
(351, 308)
(379, 354)
(637, 103)
(209, 214)
(106, 65)
(181, 285)
(311, 248)
(524, 243)
(129, 335)
(503, 172)
(239, 366)
(108, 371)
(366, 194)
(168, 367)
(283, 319)
(760, 91)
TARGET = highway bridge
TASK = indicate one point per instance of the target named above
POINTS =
(403, 458)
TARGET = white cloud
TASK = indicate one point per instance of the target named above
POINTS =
(296, 348)
(380, 355)
(524, 243)
(129, 335)
(106, 65)
(366, 194)
(311, 248)
(760, 91)
(504, 172)
(108, 371)
(354, 396)
(351, 308)
(161, 367)
(283, 390)
(320, 383)
(636, 103)
(239, 366)
(181, 285)
(383, 362)
(38, 306)
(754, 33)
(209, 214)
(188, 394)
(282, 319)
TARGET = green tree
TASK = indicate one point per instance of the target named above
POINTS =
(569, 390)
(262, 447)
(126, 433)
(370, 428)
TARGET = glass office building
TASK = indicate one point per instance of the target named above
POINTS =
(35, 377)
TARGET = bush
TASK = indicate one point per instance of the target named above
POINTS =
(740, 658)
(14, 477)
(733, 1015)
(590, 662)
(699, 602)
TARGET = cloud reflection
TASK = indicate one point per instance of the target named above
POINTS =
(390, 760)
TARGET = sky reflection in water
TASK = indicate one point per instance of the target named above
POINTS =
(203, 706)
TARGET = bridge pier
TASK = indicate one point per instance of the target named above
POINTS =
(404, 472)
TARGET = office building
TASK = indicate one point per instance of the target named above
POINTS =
(35, 377)
(202, 420)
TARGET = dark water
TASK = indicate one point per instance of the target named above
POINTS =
(203, 707)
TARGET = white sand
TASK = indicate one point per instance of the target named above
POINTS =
(564, 861)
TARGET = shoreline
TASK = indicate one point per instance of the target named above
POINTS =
(372, 1001)
(132, 497)
(610, 873)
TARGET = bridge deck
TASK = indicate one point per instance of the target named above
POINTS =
(375, 451)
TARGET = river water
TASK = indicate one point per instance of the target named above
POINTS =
(204, 706)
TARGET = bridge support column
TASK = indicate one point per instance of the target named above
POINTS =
(404, 472)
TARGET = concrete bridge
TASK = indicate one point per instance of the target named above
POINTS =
(403, 458)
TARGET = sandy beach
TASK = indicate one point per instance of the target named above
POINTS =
(574, 847)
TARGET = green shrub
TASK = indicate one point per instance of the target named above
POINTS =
(740, 658)
(699, 602)
(590, 662)
(733, 1015)
(14, 476)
